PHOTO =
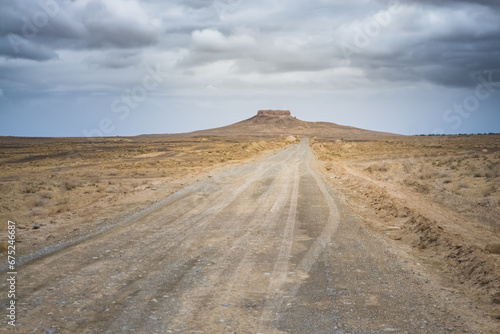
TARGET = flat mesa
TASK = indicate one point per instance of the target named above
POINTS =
(274, 113)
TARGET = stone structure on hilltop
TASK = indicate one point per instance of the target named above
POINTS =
(273, 113)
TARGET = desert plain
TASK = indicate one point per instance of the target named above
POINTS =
(271, 225)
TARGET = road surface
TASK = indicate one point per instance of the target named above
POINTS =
(268, 247)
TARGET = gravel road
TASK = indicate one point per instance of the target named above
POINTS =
(268, 247)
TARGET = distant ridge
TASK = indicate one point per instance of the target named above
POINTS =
(281, 122)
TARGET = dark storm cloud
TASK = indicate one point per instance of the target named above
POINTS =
(109, 25)
(12, 46)
(443, 46)
(441, 42)
(266, 49)
(88, 24)
(114, 59)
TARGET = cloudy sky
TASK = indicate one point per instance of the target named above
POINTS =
(128, 67)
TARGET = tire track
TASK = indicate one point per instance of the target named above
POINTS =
(85, 266)
(274, 305)
(160, 252)
(197, 226)
(279, 274)
(266, 210)
(328, 231)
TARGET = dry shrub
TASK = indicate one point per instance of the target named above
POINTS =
(407, 167)
(493, 171)
(35, 212)
(445, 162)
(4, 247)
(113, 189)
(62, 208)
(29, 188)
(426, 175)
(70, 185)
(442, 174)
(417, 186)
(46, 195)
(489, 171)
(381, 167)
(492, 248)
(40, 202)
(488, 202)
(490, 190)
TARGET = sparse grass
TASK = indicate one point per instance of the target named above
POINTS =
(490, 190)
(426, 175)
(443, 174)
(68, 185)
(36, 212)
(49, 189)
(29, 188)
(113, 189)
(40, 202)
(488, 202)
(381, 167)
(462, 173)
(62, 208)
(46, 195)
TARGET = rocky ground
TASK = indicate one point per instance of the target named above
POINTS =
(437, 198)
(58, 189)
(367, 235)
(267, 247)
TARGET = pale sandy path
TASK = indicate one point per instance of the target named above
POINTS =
(268, 247)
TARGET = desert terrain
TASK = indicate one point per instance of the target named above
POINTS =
(68, 187)
(270, 225)
(437, 197)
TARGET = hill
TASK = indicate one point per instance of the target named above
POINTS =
(281, 122)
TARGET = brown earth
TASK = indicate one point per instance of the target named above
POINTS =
(437, 197)
(72, 186)
(272, 122)
(267, 247)
(274, 113)
(353, 231)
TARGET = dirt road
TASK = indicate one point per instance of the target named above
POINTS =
(268, 247)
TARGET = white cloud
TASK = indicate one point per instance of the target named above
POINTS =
(212, 40)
